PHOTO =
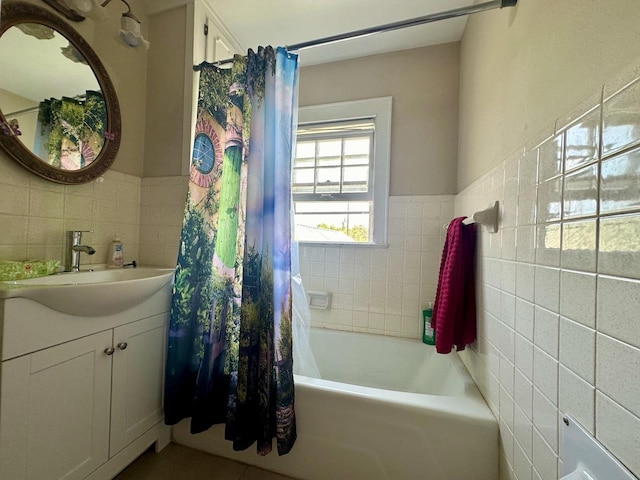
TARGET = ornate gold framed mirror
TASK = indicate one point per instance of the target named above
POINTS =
(59, 112)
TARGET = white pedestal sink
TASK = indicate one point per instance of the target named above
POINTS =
(90, 293)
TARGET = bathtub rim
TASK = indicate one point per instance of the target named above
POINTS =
(469, 404)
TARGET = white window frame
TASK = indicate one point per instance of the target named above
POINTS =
(380, 110)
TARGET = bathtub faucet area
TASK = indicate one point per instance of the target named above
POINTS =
(73, 248)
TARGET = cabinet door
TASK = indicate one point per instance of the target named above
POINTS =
(138, 379)
(54, 411)
(217, 43)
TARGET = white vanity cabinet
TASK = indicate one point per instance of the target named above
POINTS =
(54, 409)
(138, 376)
(80, 397)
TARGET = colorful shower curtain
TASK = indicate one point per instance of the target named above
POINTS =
(230, 338)
(71, 131)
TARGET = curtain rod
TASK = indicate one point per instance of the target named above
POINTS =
(433, 17)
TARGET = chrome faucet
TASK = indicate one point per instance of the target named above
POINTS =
(73, 249)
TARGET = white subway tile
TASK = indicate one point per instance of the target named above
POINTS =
(17, 200)
(619, 250)
(546, 331)
(524, 394)
(507, 376)
(577, 398)
(550, 158)
(528, 170)
(545, 374)
(619, 431)
(506, 450)
(579, 245)
(446, 210)
(578, 349)
(525, 241)
(525, 275)
(527, 206)
(332, 255)
(548, 244)
(396, 210)
(580, 198)
(578, 297)
(347, 256)
(545, 461)
(376, 321)
(506, 412)
(618, 305)
(549, 207)
(492, 272)
(13, 174)
(345, 286)
(521, 465)
(617, 370)
(545, 419)
(392, 324)
(582, 141)
(619, 184)
(411, 326)
(524, 356)
(509, 244)
(547, 288)
(42, 231)
(509, 212)
(621, 120)
(346, 270)
(508, 309)
(525, 319)
(362, 271)
(511, 175)
(493, 360)
(508, 280)
(77, 207)
(431, 244)
(414, 211)
(523, 431)
(378, 305)
(14, 230)
(490, 298)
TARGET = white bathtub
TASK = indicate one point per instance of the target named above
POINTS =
(385, 408)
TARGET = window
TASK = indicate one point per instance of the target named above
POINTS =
(340, 178)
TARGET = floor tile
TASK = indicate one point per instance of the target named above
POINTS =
(177, 462)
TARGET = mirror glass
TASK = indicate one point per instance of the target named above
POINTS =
(59, 113)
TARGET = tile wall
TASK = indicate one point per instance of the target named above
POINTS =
(382, 290)
(35, 213)
(559, 286)
(161, 213)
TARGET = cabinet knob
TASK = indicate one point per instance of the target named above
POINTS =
(122, 345)
(109, 351)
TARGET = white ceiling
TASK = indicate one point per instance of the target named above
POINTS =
(286, 22)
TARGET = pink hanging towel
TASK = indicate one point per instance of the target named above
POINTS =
(454, 312)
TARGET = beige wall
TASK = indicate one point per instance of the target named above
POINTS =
(424, 85)
(165, 94)
(523, 67)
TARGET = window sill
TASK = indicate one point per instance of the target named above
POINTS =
(340, 245)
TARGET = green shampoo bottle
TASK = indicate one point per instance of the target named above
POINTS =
(428, 333)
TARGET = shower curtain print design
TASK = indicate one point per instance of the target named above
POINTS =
(230, 340)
